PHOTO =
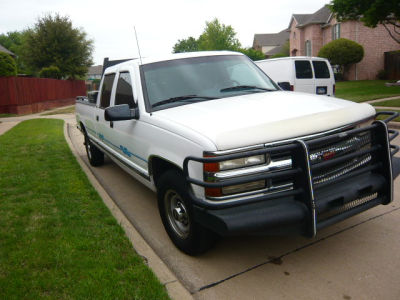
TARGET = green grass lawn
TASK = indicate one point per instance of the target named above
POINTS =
(384, 117)
(65, 110)
(390, 103)
(7, 115)
(364, 90)
(57, 238)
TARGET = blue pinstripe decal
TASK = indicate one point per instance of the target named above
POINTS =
(121, 148)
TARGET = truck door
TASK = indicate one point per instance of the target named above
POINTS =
(304, 81)
(103, 129)
(323, 79)
(128, 136)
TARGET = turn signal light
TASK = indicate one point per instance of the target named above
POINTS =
(212, 167)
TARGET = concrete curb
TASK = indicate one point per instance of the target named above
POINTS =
(174, 287)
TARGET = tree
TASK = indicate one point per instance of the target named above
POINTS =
(15, 42)
(252, 53)
(217, 36)
(342, 52)
(50, 72)
(285, 51)
(53, 41)
(186, 45)
(8, 66)
(371, 13)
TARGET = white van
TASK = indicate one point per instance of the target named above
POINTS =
(306, 74)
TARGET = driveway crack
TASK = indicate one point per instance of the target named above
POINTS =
(274, 260)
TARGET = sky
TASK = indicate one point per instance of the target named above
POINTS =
(159, 24)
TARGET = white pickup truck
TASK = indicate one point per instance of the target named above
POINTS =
(229, 153)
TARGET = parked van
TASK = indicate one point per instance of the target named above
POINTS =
(306, 74)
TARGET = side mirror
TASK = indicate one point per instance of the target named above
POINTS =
(285, 86)
(92, 96)
(120, 113)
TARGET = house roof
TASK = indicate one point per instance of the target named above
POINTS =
(271, 39)
(321, 16)
(2, 49)
(275, 50)
(95, 70)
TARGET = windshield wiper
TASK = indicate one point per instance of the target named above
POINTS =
(182, 98)
(244, 87)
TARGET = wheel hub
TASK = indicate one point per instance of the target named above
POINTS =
(177, 213)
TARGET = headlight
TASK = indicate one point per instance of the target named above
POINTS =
(245, 187)
(242, 162)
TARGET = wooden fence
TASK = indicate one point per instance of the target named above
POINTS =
(392, 64)
(23, 95)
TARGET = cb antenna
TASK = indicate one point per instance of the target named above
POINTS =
(137, 42)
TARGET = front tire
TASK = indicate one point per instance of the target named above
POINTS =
(176, 213)
(95, 156)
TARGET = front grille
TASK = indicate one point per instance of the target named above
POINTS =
(325, 152)
(347, 206)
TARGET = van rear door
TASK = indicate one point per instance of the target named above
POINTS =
(304, 79)
(323, 78)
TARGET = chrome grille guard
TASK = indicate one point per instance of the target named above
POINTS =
(301, 170)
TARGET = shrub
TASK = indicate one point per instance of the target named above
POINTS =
(50, 72)
(342, 52)
(253, 53)
(382, 74)
(8, 67)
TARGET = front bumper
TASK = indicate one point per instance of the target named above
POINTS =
(307, 207)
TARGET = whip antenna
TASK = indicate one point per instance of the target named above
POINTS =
(137, 42)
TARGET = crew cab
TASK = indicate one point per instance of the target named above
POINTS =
(230, 153)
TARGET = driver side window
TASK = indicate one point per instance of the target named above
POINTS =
(106, 90)
(124, 93)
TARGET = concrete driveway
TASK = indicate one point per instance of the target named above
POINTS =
(356, 259)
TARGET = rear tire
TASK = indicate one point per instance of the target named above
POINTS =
(176, 213)
(95, 156)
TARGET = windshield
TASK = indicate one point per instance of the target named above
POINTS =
(183, 81)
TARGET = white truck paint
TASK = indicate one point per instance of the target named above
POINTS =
(229, 107)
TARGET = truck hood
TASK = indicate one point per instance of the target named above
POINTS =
(264, 117)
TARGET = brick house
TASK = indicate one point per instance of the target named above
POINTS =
(270, 43)
(309, 32)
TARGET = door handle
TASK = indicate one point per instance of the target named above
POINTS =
(97, 118)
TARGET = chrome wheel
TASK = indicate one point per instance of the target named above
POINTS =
(177, 213)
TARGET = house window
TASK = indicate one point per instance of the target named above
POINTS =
(294, 34)
(336, 31)
(308, 48)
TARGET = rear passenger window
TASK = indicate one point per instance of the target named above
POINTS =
(303, 69)
(106, 90)
(124, 94)
(321, 69)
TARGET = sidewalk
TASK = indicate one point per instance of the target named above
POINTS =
(9, 122)
(383, 99)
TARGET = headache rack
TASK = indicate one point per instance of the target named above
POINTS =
(317, 165)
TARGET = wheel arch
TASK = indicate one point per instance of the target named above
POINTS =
(159, 165)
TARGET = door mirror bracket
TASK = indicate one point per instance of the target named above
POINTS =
(121, 113)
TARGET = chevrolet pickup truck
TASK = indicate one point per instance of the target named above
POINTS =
(229, 153)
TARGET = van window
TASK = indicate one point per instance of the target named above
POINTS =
(303, 69)
(321, 69)
(106, 90)
(124, 94)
